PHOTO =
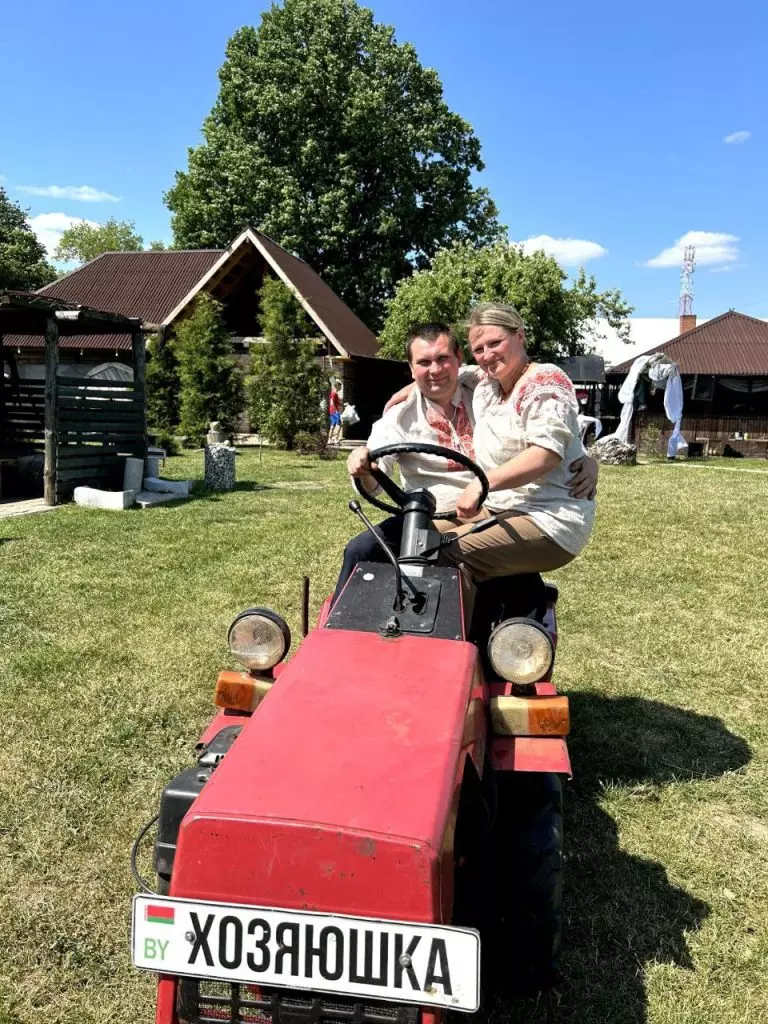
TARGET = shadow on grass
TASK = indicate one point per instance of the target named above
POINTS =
(202, 493)
(621, 911)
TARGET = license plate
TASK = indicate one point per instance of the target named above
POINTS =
(354, 956)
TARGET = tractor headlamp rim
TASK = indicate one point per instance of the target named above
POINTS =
(521, 650)
(259, 639)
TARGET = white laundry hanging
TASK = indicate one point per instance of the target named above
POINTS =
(663, 373)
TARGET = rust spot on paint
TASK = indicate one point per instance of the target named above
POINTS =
(327, 869)
(367, 848)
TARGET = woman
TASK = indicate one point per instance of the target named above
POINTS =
(526, 435)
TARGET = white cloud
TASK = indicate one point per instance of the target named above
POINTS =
(81, 193)
(712, 248)
(736, 138)
(49, 227)
(571, 252)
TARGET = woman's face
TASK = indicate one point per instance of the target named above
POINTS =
(498, 351)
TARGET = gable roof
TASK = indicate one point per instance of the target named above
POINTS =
(158, 286)
(731, 344)
(143, 284)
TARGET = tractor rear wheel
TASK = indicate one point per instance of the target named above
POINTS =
(528, 879)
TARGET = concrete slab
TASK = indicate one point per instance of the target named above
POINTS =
(146, 499)
(92, 497)
(181, 488)
(25, 507)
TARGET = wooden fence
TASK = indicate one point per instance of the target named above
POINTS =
(23, 413)
(97, 423)
(712, 432)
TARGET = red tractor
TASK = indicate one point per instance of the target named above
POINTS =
(360, 815)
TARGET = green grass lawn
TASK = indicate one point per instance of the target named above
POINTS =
(113, 627)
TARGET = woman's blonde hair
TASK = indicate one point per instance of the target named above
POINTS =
(495, 314)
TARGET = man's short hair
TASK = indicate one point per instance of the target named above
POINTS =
(430, 332)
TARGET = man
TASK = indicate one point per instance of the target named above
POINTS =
(437, 411)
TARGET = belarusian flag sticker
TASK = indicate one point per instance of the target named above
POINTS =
(154, 913)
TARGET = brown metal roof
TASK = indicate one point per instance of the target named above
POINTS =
(147, 285)
(151, 285)
(730, 345)
(332, 314)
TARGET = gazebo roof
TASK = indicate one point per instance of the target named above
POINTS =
(26, 313)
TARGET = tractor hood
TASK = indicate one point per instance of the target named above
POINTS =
(340, 792)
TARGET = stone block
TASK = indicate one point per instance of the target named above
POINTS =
(179, 487)
(220, 467)
(133, 474)
(147, 499)
(92, 497)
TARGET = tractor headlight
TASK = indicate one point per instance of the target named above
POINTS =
(259, 639)
(520, 650)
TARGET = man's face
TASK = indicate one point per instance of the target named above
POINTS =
(435, 367)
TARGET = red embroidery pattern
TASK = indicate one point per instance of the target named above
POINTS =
(437, 419)
(547, 379)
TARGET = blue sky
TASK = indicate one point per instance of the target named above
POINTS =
(605, 125)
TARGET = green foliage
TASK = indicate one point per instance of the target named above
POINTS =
(556, 312)
(23, 262)
(83, 242)
(307, 442)
(287, 385)
(162, 384)
(332, 138)
(211, 386)
(650, 438)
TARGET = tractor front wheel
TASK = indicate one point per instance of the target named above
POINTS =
(528, 879)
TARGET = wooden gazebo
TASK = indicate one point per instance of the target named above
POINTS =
(83, 426)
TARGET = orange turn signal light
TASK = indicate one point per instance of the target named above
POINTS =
(238, 691)
(530, 716)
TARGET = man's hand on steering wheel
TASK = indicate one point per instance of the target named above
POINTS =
(469, 501)
(365, 466)
(359, 463)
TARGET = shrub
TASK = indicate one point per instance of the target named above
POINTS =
(287, 385)
(211, 384)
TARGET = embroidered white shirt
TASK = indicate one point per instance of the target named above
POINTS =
(542, 410)
(408, 422)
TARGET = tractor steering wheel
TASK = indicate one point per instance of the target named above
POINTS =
(400, 496)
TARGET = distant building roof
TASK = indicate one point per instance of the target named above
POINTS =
(158, 286)
(731, 344)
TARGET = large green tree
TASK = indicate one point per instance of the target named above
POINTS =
(83, 242)
(558, 312)
(287, 384)
(23, 263)
(332, 138)
(211, 386)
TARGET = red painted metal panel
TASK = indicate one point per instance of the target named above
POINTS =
(165, 1008)
(530, 754)
(338, 792)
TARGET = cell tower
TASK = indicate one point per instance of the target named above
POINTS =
(686, 281)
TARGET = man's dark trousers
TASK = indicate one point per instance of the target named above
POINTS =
(364, 548)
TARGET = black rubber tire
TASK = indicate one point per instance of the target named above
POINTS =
(528, 880)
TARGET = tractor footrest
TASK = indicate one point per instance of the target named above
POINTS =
(218, 1002)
